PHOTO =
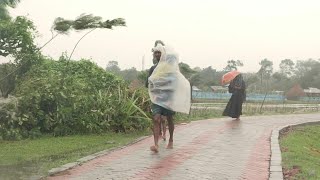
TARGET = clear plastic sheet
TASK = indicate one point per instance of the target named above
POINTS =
(167, 86)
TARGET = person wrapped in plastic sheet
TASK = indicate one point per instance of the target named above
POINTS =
(155, 108)
(169, 91)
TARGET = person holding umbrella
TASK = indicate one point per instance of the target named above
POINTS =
(237, 87)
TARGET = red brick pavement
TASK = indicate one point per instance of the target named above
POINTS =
(208, 149)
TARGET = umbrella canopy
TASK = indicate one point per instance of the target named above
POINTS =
(228, 77)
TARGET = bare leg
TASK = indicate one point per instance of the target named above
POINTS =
(164, 127)
(171, 129)
(156, 129)
(160, 128)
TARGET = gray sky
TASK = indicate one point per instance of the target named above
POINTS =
(204, 32)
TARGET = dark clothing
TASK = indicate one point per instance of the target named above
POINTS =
(234, 107)
(156, 109)
(149, 74)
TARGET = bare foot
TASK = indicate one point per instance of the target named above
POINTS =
(170, 145)
(154, 149)
(237, 119)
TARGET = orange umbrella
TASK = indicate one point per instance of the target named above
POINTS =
(226, 78)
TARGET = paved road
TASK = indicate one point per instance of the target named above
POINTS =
(207, 149)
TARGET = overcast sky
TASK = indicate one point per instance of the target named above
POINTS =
(203, 32)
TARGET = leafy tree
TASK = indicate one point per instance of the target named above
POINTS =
(252, 80)
(279, 81)
(207, 77)
(233, 65)
(113, 67)
(287, 67)
(17, 37)
(265, 70)
(17, 41)
(303, 66)
(186, 70)
(278, 76)
(307, 73)
(195, 80)
(4, 15)
(129, 75)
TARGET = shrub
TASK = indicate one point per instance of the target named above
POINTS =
(71, 97)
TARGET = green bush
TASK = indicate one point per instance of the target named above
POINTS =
(71, 97)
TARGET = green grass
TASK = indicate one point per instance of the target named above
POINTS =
(301, 148)
(197, 114)
(40, 155)
(250, 108)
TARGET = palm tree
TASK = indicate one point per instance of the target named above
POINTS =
(4, 14)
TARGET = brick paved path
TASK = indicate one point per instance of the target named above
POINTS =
(207, 149)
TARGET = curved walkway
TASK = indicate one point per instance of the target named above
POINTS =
(206, 149)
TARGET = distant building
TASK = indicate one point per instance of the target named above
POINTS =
(219, 89)
(195, 88)
(278, 92)
(312, 92)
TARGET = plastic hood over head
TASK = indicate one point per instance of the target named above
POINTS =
(167, 86)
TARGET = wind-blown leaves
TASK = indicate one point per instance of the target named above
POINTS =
(4, 14)
(115, 22)
(11, 3)
(62, 26)
(85, 21)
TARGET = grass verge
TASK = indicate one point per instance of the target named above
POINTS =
(30, 158)
(300, 149)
